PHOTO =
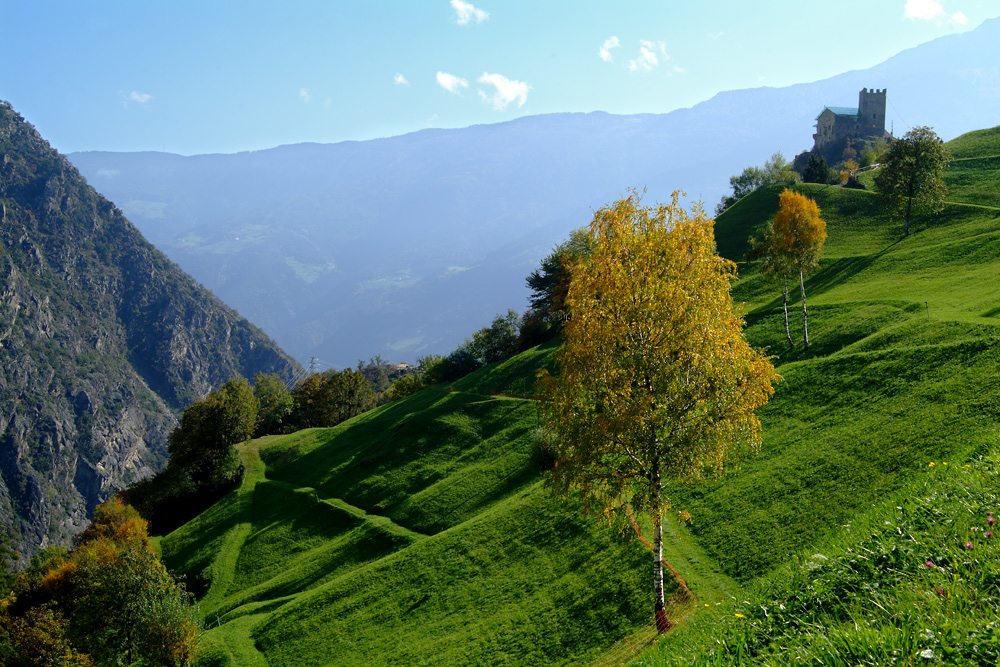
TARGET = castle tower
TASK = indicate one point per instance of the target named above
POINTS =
(871, 112)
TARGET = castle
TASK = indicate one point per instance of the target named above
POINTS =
(837, 124)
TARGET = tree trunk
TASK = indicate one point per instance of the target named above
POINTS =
(805, 317)
(906, 224)
(659, 602)
(784, 306)
(660, 606)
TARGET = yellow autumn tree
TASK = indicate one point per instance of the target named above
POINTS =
(655, 379)
(798, 235)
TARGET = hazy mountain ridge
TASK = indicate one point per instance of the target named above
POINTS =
(402, 246)
(102, 341)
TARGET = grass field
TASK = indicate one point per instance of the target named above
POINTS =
(422, 533)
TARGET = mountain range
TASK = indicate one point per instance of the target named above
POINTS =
(403, 246)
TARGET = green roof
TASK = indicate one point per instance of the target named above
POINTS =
(840, 111)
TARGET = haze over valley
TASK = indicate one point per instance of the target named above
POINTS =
(403, 246)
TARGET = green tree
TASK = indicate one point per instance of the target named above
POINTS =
(274, 403)
(779, 170)
(816, 171)
(655, 377)
(406, 386)
(204, 443)
(550, 281)
(326, 399)
(913, 175)
(776, 169)
(497, 341)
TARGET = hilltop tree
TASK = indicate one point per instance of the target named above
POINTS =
(326, 399)
(913, 174)
(816, 171)
(550, 282)
(776, 169)
(203, 444)
(655, 378)
(274, 403)
(497, 341)
(797, 238)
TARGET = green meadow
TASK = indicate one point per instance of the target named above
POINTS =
(422, 533)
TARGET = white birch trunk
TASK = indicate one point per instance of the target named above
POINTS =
(784, 306)
(805, 318)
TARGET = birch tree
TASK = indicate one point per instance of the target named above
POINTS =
(798, 235)
(655, 378)
(772, 263)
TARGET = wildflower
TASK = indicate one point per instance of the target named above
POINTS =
(989, 534)
(739, 615)
(941, 592)
(989, 514)
(928, 564)
(944, 463)
(990, 521)
(931, 464)
(968, 545)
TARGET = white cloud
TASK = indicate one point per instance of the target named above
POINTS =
(649, 56)
(304, 96)
(924, 10)
(932, 10)
(466, 12)
(400, 80)
(451, 83)
(605, 51)
(141, 98)
(105, 172)
(507, 91)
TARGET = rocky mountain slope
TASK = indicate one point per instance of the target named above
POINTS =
(102, 342)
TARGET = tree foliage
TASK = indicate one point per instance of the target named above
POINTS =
(327, 399)
(776, 169)
(913, 175)
(108, 602)
(274, 403)
(497, 341)
(817, 170)
(794, 242)
(550, 281)
(655, 377)
(203, 444)
(772, 263)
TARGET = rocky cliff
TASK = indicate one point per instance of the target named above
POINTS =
(103, 341)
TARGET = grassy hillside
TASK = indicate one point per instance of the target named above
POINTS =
(879, 444)
(421, 533)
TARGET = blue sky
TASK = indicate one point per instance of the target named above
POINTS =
(221, 76)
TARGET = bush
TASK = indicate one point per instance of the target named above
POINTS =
(406, 386)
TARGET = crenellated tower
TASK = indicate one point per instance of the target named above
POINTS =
(871, 112)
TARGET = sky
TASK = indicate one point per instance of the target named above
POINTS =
(217, 76)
